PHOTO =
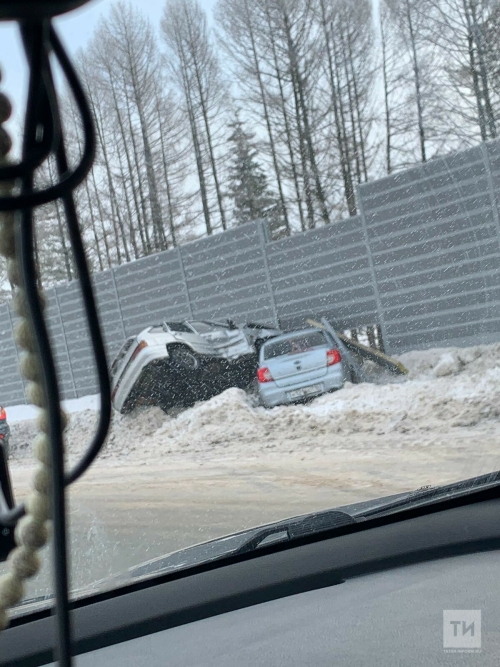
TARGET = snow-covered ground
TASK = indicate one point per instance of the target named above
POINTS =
(164, 482)
(448, 407)
(21, 413)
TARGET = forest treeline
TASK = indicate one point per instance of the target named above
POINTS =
(273, 109)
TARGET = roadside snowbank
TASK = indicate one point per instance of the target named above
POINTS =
(451, 399)
(20, 413)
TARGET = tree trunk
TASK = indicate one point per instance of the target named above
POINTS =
(94, 228)
(132, 231)
(196, 144)
(320, 195)
(490, 116)
(65, 249)
(370, 332)
(350, 196)
(475, 77)
(166, 172)
(102, 216)
(343, 153)
(350, 106)
(208, 132)
(142, 197)
(141, 221)
(357, 109)
(154, 202)
(303, 154)
(380, 339)
(115, 207)
(387, 108)
(263, 97)
(288, 133)
(418, 94)
(296, 87)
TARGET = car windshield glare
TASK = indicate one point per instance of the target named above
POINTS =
(294, 345)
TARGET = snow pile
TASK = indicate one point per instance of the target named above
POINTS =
(440, 362)
(20, 413)
(450, 396)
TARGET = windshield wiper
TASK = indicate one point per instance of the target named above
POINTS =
(253, 539)
(315, 522)
(244, 542)
(430, 494)
(289, 529)
(330, 519)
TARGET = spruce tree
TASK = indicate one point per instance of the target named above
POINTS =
(248, 186)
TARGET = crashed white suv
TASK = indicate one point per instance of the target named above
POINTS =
(178, 363)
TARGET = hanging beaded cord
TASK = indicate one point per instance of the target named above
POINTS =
(43, 139)
(31, 532)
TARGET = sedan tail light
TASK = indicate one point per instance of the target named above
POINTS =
(333, 357)
(264, 375)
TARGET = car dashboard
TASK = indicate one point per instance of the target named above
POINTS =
(393, 617)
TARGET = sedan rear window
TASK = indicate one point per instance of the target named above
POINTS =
(294, 345)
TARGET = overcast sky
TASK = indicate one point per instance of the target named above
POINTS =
(75, 29)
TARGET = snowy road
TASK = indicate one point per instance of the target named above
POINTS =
(122, 515)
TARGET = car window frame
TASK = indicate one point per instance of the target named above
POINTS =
(176, 331)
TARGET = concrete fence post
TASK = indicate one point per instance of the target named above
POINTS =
(380, 309)
(262, 229)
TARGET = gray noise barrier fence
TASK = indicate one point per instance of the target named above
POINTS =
(421, 259)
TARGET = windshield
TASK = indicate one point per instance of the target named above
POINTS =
(325, 170)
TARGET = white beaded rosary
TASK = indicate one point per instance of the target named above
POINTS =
(44, 140)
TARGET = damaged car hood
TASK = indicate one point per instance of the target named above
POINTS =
(228, 343)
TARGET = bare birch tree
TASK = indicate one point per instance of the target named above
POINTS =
(467, 32)
(194, 66)
(241, 24)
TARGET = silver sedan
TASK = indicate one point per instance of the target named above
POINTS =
(297, 366)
